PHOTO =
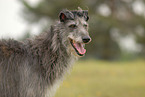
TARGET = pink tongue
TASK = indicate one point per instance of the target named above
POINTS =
(80, 48)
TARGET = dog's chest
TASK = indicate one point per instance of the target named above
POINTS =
(50, 91)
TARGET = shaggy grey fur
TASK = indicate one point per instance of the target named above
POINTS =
(35, 67)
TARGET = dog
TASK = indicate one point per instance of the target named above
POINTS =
(35, 67)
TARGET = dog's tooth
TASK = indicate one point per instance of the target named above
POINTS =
(84, 45)
(73, 41)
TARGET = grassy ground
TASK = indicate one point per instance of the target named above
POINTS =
(105, 79)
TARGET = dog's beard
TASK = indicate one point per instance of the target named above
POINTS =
(78, 47)
(75, 48)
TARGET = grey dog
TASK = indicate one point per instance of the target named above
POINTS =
(35, 67)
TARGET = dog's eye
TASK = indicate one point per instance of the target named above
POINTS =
(85, 25)
(73, 26)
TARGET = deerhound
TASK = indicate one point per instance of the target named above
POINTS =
(35, 67)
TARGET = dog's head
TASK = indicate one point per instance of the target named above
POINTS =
(75, 23)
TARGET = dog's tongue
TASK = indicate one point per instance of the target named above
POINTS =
(80, 48)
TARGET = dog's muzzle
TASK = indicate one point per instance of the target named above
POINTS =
(86, 39)
(79, 46)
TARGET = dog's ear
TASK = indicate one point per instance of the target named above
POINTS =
(85, 12)
(66, 15)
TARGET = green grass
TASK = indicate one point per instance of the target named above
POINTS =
(105, 79)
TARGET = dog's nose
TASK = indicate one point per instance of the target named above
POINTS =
(86, 39)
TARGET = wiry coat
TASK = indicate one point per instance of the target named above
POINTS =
(33, 67)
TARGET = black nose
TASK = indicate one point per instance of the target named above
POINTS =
(86, 39)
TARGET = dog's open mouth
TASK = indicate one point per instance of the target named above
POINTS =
(79, 48)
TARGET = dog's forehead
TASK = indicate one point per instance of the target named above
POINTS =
(78, 20)
(81, 20)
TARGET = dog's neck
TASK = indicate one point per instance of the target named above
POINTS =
(52, 54)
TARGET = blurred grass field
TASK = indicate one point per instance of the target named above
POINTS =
(105, 79)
